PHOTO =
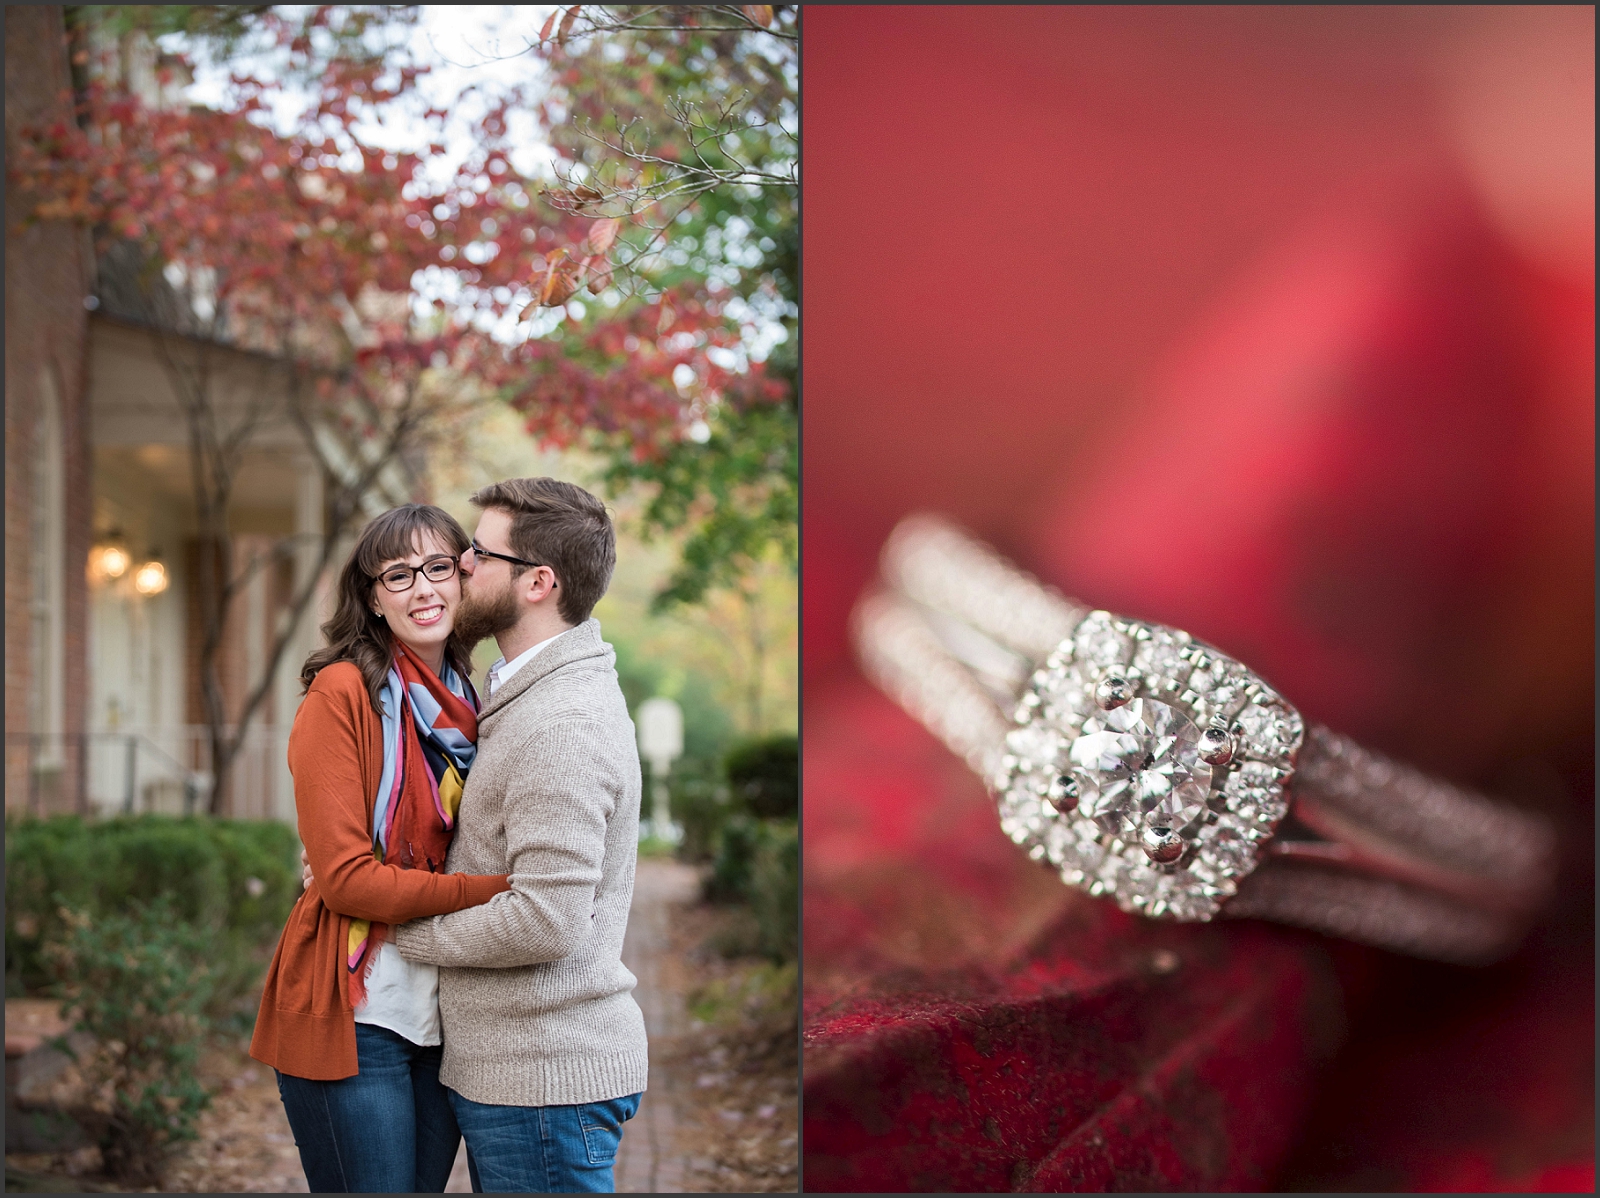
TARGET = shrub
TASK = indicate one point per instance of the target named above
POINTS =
(234, 879)
(764, 776)
(139, 984)
(775, 890)
(729, 880)
(758, 863)
(700, 806)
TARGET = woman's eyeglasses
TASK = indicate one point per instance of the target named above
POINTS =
(402, 578)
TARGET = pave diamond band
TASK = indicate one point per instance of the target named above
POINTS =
(1148, 767)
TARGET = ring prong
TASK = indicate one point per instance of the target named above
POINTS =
(1113, 691)
(1161, 844)
(1216, 745)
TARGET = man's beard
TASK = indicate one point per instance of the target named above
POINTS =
(480, 615)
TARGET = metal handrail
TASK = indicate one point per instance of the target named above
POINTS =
(196, 780)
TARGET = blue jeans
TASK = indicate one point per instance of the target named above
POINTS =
(388, 1130)
(543, 1149)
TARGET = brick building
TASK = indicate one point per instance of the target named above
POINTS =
(103, 706)
(49, 271)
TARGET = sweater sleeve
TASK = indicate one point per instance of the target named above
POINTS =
(556, 813)
(325, 757)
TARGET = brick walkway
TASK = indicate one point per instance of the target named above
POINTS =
(652, 1161)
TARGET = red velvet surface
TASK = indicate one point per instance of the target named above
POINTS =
(1204, 316)
(973, 1025)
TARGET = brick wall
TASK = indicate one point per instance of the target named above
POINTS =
(47, 276)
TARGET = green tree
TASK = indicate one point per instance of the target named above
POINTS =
(681, 124)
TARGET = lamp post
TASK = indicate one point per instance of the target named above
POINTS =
(660, 743)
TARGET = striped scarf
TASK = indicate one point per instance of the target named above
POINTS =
(430, 733)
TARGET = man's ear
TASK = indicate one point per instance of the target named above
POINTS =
(537, 584)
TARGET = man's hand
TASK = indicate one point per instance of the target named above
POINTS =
(305, 871)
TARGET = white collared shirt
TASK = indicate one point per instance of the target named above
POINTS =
(500, 673)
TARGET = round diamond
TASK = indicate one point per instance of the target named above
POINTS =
(1088, 852)
(1139, 766)
(1058, 843)
(1034, 745)
(1271, 730)
(1022, 819)
(1251, 782)
(1220, 686)
(1063, 694)
(1226, 851)
(1160, 657)
(1187, 905)
(1098, 643)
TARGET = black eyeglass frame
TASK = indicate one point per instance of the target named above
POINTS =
(506, 557)
(413, 571)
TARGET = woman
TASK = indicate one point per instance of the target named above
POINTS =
(380, 748)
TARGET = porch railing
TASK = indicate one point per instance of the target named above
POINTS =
(166, 770)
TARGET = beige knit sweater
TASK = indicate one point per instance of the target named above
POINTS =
(536, 1005)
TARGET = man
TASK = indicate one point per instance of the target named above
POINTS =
(544, 1046)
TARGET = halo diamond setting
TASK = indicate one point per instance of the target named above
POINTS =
(1147, 766)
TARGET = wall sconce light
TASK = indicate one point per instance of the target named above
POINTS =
(150, 578)
(109, 560)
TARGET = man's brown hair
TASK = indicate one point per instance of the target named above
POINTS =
(561, 526)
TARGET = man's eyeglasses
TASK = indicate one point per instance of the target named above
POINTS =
(402, 578)
(505, 557)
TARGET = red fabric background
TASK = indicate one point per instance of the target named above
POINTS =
(1258, 322)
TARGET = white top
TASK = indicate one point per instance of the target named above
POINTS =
(500, 673)
(402, 996)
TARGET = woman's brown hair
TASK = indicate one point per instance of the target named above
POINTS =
(354, 633)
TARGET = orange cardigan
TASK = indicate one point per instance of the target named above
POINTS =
(306, 1026)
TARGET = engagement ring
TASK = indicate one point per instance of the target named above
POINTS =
(1151, 768)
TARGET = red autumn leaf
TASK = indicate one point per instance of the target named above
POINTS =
(603, 233)
(549, 24)
(566, 24)
(758, 14)
(554, 283)
(599, 277)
